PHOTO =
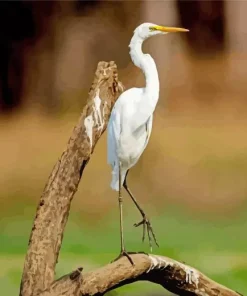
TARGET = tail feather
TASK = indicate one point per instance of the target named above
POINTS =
(115, 178)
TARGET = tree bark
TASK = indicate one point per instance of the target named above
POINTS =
(174, 276)
(53, 210)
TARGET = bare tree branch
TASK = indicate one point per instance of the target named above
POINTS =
(53, 210)
(174, 276)
(69, 284)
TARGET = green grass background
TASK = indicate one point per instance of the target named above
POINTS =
(215, 246)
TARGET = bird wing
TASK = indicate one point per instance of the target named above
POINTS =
(113, 135)
(135, 111)
(144, 131)
(149, 126)
(128, 118)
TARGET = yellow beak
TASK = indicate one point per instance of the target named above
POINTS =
(170, 29)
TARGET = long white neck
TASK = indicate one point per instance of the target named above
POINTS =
(146, 63)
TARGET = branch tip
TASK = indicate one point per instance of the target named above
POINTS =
(75, 274)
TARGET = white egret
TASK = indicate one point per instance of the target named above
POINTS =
(130, 123)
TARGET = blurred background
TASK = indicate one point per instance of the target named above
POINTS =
(191, 179)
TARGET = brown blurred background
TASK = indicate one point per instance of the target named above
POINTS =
(48, 54)
(196, 160)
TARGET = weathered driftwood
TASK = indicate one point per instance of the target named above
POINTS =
(53, 210)
(174, 276)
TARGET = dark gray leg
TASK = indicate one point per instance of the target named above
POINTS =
(120, 202)
(147, 227)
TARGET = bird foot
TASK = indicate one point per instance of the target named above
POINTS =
(147, 227)
(127, 254)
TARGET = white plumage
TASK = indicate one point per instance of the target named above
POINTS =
(126, 137)
(130, 123)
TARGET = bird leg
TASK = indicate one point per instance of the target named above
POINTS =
(147, 227)
(120, 201)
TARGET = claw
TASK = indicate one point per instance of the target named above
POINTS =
(147, 227)
(126, 254)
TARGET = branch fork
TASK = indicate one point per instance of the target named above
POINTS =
(45, 241)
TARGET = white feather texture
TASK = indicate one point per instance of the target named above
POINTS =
(130, 123)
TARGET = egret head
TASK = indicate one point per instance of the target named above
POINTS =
(147, 30)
